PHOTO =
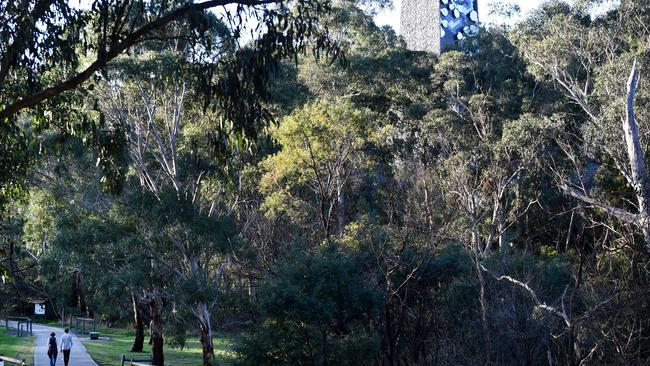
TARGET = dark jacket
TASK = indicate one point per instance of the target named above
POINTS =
(51, 347)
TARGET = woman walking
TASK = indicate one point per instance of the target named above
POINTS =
(51, 349)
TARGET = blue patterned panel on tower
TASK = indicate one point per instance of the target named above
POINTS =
(458, 22)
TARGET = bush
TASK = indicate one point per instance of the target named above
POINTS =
(319, 310)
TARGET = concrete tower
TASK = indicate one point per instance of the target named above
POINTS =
(433, 25)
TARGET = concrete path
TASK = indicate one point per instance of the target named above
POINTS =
(78, 356)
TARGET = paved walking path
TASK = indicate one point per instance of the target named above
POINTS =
(78, 356)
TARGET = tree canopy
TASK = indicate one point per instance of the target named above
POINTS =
(289, 177)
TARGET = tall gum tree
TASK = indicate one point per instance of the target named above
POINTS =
(49, 51)
(188, 237)
(588, 60)
(321, 154)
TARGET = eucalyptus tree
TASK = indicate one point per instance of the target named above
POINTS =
(393, 83)
(321, 154)
(19, 278)
(82, 240)
(51, 54)
(475, 125)
(185, 204)
(588, 59)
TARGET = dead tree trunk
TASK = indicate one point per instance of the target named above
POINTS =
(638, 177)
(638, 169)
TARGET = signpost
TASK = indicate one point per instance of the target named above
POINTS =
(39, 309)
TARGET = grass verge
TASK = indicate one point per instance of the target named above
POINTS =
(17, 347)
(109, 352)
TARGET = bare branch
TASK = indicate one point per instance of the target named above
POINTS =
(540, 304)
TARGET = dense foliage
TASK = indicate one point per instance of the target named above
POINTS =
(389, 208)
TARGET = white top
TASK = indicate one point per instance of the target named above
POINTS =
(66, 341)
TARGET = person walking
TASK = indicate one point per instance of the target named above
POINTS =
(51, 349)
(66, 346)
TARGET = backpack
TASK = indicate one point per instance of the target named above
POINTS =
(51, 347)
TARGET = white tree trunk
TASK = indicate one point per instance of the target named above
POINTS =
(206, 333)
(501, 225)
(638, 169)
(635, 154)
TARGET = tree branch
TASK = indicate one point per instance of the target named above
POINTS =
(540, 304)
(113, 52)
(623, 215)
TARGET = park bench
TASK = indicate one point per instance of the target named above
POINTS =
(137, 361)
(10, 360)
(21, 322)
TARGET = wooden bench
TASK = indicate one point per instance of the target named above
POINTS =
(12, 361)
(137, 361)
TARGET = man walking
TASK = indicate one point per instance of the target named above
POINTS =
(66, 345)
